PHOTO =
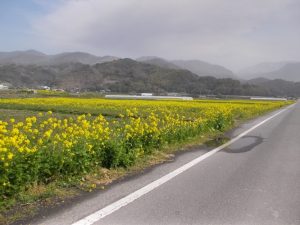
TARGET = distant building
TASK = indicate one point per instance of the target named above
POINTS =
(146, 94)
(45, 87)
(268, 99)
(173, 94)
(148, 97)
(3, 87)
(59, 89)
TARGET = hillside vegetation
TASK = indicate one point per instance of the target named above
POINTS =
(124, 76)
(78, 71)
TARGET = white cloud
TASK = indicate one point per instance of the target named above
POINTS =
(230, 32)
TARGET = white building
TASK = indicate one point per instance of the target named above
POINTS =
(3, 87)
(152, 97)
(146, 94)
(45, 88)
(268, 99)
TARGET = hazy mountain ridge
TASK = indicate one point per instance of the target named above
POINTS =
(153, 60)
(121, 75)
(82, 71)
(32, 57)
(124, 75)
(261, 68)
(277, 87)
(198, 67)
(204, 69)
(22, 57)
(289, 71)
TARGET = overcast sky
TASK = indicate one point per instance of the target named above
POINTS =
(233, 33)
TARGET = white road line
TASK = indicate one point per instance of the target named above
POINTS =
(96, 216)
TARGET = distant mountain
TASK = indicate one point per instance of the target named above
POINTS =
(267, 67)
(78, 57)
(158, 62)
(258, 80)
(123, 76)
(195, 66)
(204, 69)
(22, 57)
(32, 57)
(277, 87)
(85, 72)
(289, 71)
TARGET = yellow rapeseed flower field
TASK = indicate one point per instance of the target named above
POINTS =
(104, 133)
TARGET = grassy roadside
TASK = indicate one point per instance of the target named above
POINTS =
(38, 197)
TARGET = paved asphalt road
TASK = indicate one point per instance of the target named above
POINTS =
(256, 180)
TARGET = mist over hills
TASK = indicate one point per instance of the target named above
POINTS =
(289, 71)
(286, 70)
(153, 60)
(32, 57)
(204, 69)
(22, 57)
(198, 67)
(123, 75)
(277, 87)
(86, 72)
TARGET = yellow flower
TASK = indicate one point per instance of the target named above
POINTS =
(10, 156)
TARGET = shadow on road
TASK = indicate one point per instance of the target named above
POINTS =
(248, 143)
